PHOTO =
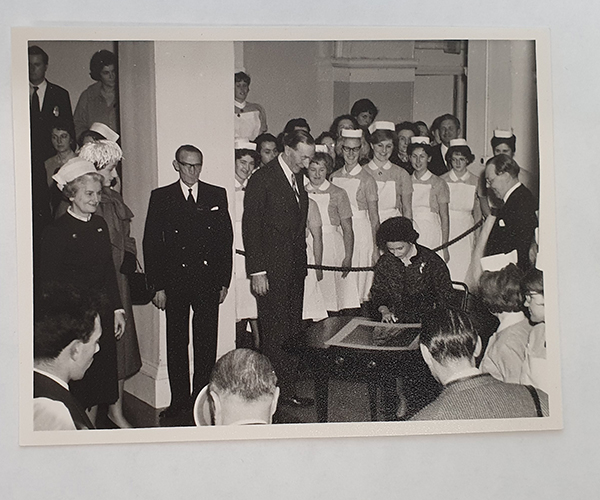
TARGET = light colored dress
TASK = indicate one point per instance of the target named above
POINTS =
(245, 302)
(314, 305)
(393, 185)
(361, 188)
(428, 193)
(333, 204)
(535, 369)
(250, 120)
(463, 196)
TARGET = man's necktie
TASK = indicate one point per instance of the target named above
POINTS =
(295, 188)
(35, 102)
(190, 199)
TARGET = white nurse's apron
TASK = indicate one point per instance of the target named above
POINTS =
(427, 223)
(462, 198)
(245, 302)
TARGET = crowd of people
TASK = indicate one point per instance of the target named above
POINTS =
(371, 218)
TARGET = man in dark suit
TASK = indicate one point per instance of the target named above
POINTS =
(188, 241)
(273, 228)
(65, 339)
(47, 102)
(516, 220)
(449, 345)
(448, 129)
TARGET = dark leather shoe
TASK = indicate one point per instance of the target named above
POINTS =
(297, 402)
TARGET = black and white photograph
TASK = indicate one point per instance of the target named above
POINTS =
(362, 245)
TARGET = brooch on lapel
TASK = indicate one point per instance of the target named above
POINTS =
(421, 267)
(215, 208)
(55, 111)
(99, 229)
(501, 223)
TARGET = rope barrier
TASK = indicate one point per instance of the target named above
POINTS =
(364, 269)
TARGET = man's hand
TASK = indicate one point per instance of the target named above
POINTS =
(260, 284)
(160, 300)
(222, 294)
(120, 321)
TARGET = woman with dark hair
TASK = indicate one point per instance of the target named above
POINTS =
(410, 280)
(464, 207)
(100, 101)
(393, 183)
(250, 118)
(76, 250)
(246, 160)
(404, 131)
(266, 149)
(63, 142)
(504, 142)
(365, 112)
(362, 193)
(430, 198)
(505, 353)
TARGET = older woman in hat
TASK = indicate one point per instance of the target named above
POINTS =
(410, 280)
(100, 101)
(464, 206)
(76, 249)
(105, 155)
(361, 189)
(430, 197)
(394, 186)
(246, 160)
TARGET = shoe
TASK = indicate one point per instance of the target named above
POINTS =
(297, 402)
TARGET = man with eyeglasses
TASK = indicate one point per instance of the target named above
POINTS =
(188, 241)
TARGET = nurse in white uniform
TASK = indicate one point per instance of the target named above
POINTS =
(245, 302)
(464, 207)
(430, 198)
(394, 187)
(250, 118)
(362, 193)
(339, 289)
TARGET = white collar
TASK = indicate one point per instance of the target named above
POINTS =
(325, 185)
(82, 218)
(355, 171)
(185, 189)
(510, 191)
(466, 373)
(238, 185)
(53, 377)
(443, 150)
(386, 166)
(286, 169)
(511, 318)
(426, 176)
(240, 105)
(41, 87)
(456, 178)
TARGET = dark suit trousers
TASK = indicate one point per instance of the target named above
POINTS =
(205, 305)
(280, 323)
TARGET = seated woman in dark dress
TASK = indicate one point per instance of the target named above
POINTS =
(76, 250)
(410, 280)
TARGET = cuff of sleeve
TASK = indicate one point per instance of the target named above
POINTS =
(260, 273)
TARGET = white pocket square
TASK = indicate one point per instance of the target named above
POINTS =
(214, 208)
(501, 223)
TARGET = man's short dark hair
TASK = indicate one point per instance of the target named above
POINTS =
(262, 138)
(408, 126)
(188, 148)
(244, 373)
(296, 123)
(449, 335)
(445, 117)
(504, 163)
(62, 314)
(363, 105)
(99, 60)
(36, 50)
(296, 137)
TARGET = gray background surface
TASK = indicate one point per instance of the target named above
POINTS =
(546, 465)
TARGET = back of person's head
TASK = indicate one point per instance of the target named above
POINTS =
(36, 50)
(501, 290)
(504, 163)
(449, 335)
(244, 373)
(62, 314)
(295, 124)
(99, 60)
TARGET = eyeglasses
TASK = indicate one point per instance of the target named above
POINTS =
(346, 149)
(189, 165)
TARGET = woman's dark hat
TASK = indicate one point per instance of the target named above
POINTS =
(396, 229)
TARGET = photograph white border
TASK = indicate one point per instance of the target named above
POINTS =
(21, 36)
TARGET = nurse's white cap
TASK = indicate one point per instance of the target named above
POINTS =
(105, 131)
(503, 134)
(353, 134)
(245, 144)
(498, 261)
(320, 148)
(420, 139)
(458, 142)
(381, 126)
(75, 167)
